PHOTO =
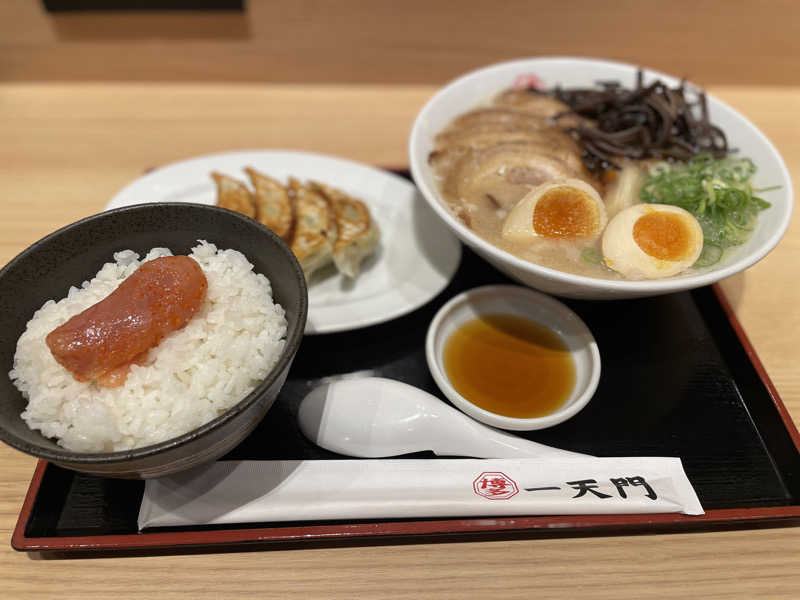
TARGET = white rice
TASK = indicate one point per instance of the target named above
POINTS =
(191, 377)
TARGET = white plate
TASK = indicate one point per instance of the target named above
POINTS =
(415, 260)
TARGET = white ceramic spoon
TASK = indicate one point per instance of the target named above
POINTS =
(374, 417)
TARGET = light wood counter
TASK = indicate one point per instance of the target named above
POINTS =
(66, 148)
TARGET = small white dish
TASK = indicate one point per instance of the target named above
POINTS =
(531, 305)
(415, 260)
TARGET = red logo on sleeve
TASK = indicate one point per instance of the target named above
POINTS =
(495, 486)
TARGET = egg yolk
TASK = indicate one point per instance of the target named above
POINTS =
(662, 235)
(565, 213)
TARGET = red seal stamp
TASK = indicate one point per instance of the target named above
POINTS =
(495, 486)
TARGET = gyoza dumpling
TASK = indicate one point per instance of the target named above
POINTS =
(315, 230)
(358, 233)
(273, 206)
(234, 195)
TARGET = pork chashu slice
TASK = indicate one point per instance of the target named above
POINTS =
(548, 142)
(498, 116)
(537, 105)
(506, 172)
(496, 133)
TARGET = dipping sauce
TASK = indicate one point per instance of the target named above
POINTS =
(510, 366)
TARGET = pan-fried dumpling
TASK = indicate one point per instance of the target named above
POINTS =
(273, 206)
(358, 232)
(315, 229)
(234, 195)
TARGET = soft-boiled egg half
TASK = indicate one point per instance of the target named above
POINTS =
(568, 209)
(651, 241)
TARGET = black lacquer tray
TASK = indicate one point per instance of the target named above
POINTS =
(679, 379)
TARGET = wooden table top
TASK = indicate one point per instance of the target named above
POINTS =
(66, 148)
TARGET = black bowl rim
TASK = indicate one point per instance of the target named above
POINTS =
(289, 350)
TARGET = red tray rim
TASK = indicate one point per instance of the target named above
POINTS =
(388, 529)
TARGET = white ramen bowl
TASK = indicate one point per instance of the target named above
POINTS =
(533, 306)
(479, 87)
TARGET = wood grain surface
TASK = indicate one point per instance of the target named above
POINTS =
(417, 41)
(66, 148)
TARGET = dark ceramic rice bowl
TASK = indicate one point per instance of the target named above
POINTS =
(75, 253)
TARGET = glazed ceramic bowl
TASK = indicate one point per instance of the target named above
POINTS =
(532, 306)
(479, 87)
(74, 253)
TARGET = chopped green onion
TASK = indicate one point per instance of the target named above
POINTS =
(591, 255)
(710, 255)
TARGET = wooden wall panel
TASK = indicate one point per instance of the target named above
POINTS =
(417, 41)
